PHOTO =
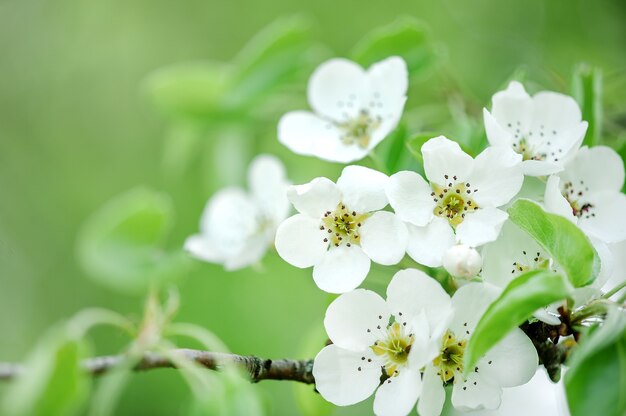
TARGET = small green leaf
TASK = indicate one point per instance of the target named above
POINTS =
(393, 148)
(120, 245)
(563, 240)
(523, 296)
(587, 89)
(595, 383)
(407, 38)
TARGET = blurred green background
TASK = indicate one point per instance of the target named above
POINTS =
(77, 128)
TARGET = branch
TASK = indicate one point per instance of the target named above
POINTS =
(257, 368)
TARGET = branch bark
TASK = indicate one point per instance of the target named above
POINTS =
(257, 368)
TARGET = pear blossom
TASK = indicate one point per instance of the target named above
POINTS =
(238, 226)
(353, 110)
(462, 261)
(419, 328)
(340, 228)
(460, 204)
(546, 129)
(588, 193)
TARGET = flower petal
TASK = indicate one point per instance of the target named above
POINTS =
(496, 134)
(409, 196)
(300, 242)
(443, 157)
(337, 375)
(555, 202)
(512, 108)
(475, 393)
(336, 89)
(606, 221)
(412, 291)
(268, 183)
(497, 176)
(427, 245)
(540, 167)
(315, 198)
(341, 269)
(397, 395)
(363, 189)
(352, 318)
(307, 134)
(511, 362)
(481, 226)
(251, 253)
(201, 247)
(433, 394)
(384, 238)
(469, 304)
(553, 111)
(600, 168)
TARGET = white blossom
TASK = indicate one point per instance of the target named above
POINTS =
(340, 228)
(238, 226)
(460, 204)
(353, 110)
(462, 261)
(546, 129)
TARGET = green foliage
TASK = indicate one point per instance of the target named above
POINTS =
(523, 296)
(587, 90)
(596, 380)
(563, 240)
(407, 38)
(121, 245)
(53, 382)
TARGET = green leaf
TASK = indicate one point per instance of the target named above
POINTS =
(595, 383)
(523, 296)
(587, 89)
(53, 383)
(120, 245)
(563, 240)
(273, 57)
(393, 148)
(407, 38)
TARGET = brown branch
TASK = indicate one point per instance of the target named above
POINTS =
(257, 368)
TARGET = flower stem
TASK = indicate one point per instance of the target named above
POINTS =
(614, 290)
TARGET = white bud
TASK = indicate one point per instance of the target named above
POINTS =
(462, 261)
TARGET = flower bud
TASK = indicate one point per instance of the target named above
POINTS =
(462, 261)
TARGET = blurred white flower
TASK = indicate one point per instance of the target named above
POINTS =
(462, 261)
(340, 228)
(354, 110)
(589, 193)
(460, 202)
(546, 129)
(237, 227)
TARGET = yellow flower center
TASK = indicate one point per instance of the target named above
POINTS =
(394, 347)
(342, 225)
(574, 195)
(359, 130)
(531, 262)
(454, 201)
(450, 358)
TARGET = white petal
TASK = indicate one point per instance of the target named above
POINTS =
(397, 395)
(412, 291)
(496, 134)
(336, 89)
(307, 134)
(341, 269)
(409, 196)
(481, 226)
(511, 362)
(363, 189)
(469, 304)
(251, 253)
(384, 238)
(300, 242)
(554, 111)
(555, 202)
(540, 167)
(202, 248)
(538, 397)
(512, 106)
(600, 168)
(607, 262)
(607, 223)
(315, 198)
(337, 375)
(497, 176)
(268, 183)
(433, 394)
(476, 392)
(351, 320)
(443, 157)
(427, 245)
(427, 341)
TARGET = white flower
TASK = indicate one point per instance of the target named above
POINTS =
(460, 202)
(462, 261)
(418, 327)
(545, 129)
(354, 110)
(588, 192)
(237, 227)
(340, 228)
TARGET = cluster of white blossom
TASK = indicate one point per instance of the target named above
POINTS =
(455, 217)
